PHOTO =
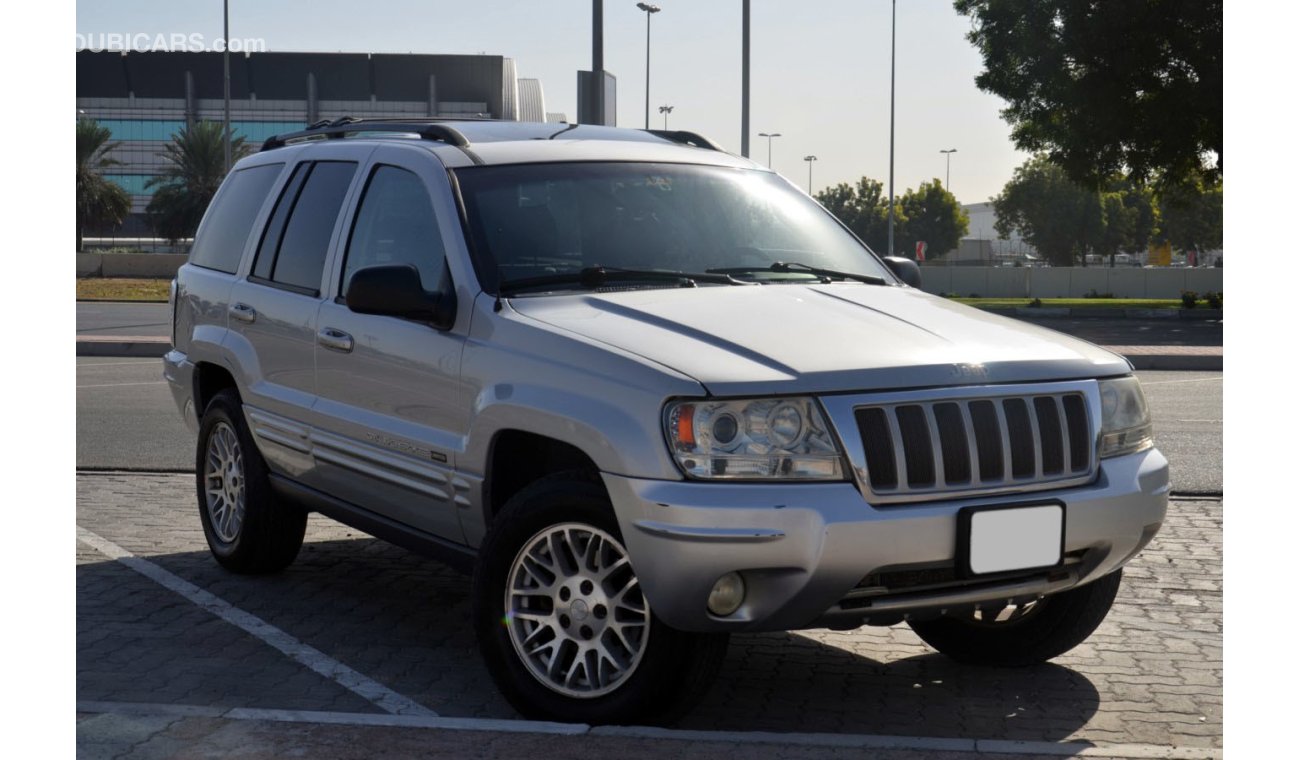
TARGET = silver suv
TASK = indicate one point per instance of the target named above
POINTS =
(651, 394)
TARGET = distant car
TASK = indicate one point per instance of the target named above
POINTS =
(652, 394)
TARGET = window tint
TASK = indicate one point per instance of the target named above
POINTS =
(275, 227)
(395, 225)
(306, 238)
(231, 216)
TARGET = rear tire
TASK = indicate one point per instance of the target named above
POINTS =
(249, 529)
(556, 557)
(1052, 627)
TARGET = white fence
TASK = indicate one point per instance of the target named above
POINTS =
(145, 265)
(1068, 282)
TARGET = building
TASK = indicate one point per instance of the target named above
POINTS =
(146, 97)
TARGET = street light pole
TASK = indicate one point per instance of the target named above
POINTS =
(893, 9)
(225, 56)
(810, 160)
(650, 10)
(744, 79)
(769, 145)
(665, 110)
(947, 175)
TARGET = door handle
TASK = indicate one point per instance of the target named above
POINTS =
(335, 339)
(243, 312)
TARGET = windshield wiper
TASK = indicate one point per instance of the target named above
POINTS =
(594, 277)
(796, 267)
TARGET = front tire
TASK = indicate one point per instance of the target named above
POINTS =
(561, 621)
(248, 528)
(1049, 628)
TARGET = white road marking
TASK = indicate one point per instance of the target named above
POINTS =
(1192, 380)
(119, 385)
(372, 691)
(857, 741)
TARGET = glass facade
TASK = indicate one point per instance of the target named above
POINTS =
(164, 129)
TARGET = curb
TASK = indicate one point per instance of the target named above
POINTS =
(123, 345)
(1183, 363)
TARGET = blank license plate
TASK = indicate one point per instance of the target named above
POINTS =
(1016, 539)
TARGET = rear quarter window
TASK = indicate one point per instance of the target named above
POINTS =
(220, 241)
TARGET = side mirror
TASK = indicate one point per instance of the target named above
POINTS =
(396, 291)
(905, 269)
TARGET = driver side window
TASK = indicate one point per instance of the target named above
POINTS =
(395, 224)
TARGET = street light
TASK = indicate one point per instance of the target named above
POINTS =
(810, 160)
(225, 64)
(665, 110)
(893, 10)
(650, 10)
(769, 145)
(947, 177)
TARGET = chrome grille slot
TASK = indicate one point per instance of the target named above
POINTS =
(915, 449)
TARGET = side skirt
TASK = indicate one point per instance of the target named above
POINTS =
(456, 555)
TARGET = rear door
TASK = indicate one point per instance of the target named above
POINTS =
(391, 406)
(272, 312)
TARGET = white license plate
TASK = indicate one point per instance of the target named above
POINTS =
(1016, 539)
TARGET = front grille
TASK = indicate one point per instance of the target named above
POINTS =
(914, 449)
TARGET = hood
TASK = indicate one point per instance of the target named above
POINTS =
(818, 338)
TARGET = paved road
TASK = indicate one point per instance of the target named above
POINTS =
(111, 318)
(390, 627)
(126, 420)
(1138, 332)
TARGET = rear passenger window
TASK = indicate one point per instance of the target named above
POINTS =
(230, 219)
(396, 225)
(294, 254)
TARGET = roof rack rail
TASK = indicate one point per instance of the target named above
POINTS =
(427, 129)
(686, 138)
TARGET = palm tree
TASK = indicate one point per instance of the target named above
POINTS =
(100, 202)
(196, 158)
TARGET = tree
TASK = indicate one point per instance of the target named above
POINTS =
(1130, 87)
(864, 208)
(196, 167)
(1119, 225)
(1060, 218)
(100, 201)
(934, 216)
(1191, 217)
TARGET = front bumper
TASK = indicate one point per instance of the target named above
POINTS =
(805, 549)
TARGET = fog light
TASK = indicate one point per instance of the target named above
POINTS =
(727, 595)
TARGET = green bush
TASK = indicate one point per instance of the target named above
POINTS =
(1037, 303)
(1092, 293)
(1189, 299)
(1214, 300)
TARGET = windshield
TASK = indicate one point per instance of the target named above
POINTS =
(534, 221)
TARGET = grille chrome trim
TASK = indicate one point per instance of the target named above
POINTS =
(843, 413)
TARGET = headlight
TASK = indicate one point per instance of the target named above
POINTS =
(1125, 421)
(778, 439)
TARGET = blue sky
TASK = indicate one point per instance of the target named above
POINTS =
(819, 76)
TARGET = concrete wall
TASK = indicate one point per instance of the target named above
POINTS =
(144, 265)
(1071, 282)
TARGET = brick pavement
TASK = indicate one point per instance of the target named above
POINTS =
(1152, 674)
